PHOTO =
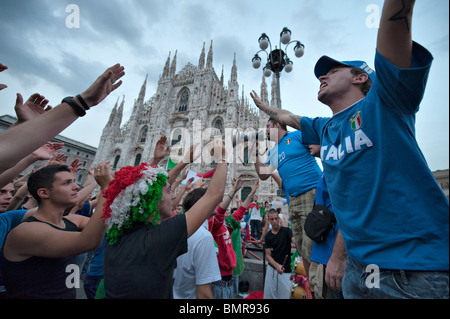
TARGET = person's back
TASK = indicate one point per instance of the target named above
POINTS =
(141, 263)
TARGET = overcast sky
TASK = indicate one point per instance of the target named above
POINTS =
(45, 56)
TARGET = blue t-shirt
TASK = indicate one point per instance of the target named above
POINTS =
(298, 170)
(321, 252)
(389, 207)
(8, 221)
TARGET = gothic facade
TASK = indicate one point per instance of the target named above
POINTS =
(189, 106)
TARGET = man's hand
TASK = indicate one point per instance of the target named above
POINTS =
(58, 158)
(161, 150)
(44, 152)
(33, 107)
(3, 68)
(103, 175)
(190, 156)
(104, 85)
(237, 185)
(74, 166)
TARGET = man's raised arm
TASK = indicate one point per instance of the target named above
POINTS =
(19, 141)
(284, 117)
(394, 40)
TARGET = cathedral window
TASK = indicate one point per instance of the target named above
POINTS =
(137, 160)
(218, 124)
(245, 156)
(184, 100)
(116, 161)
(143, 134)
(176, 136)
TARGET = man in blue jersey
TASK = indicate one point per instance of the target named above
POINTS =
(391, 212)
(299, 174)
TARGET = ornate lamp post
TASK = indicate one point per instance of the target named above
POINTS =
(277, 59)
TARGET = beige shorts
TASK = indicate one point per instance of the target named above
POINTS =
(299, 207)
(317, 281)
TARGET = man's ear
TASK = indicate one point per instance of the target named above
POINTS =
(361, 78)
(43, 193)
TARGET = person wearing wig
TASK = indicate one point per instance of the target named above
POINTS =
(142, 242)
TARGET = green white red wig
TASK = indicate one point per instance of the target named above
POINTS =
(132, 197)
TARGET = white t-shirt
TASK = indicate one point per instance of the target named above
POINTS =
(198, 266)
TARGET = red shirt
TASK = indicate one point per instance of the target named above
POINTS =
(226, 256)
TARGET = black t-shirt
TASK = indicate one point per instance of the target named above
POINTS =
(40, 277)
(280, 245)
(140, 265)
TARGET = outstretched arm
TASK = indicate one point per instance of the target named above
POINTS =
(37, 131)
(394, 40)
(202, 209)
(284, 117)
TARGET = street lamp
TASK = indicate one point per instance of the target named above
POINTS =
(277, 59)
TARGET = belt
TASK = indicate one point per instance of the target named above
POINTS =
(223, 283)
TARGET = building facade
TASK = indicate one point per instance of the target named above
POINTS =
(189, 106)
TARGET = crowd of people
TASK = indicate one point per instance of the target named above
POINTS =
(148, 236)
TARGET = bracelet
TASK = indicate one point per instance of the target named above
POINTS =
(77, 108)
(83, 102)
(222, 159)
(230, 196)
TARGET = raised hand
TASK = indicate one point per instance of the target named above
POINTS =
(33, 107)
(104, 85)
(256, 99)
(58, 158)
(74, 166)
(190, 155)
(44, 152)
(102, 174)
(3, 68)
(161, 150)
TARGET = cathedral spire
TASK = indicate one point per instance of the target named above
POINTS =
(210, 56)
(264, 93)
(201, 60)
(173, 66)
(142, 92)
(166, 67)
(234, 70)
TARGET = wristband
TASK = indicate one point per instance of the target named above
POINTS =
(230, 196)
(222, 159)
(86, 107)
(77, 108)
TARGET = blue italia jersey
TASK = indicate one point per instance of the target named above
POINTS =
(389, 207)
(298, 170)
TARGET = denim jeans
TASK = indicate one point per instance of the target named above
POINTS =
(367, 282)
(222, 289)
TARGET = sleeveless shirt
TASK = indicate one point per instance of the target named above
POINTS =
(40, 277)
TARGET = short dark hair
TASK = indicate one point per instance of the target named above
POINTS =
(44, 178)
(192, 198)
(272, 211)
(366, 85)
(274, 122)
